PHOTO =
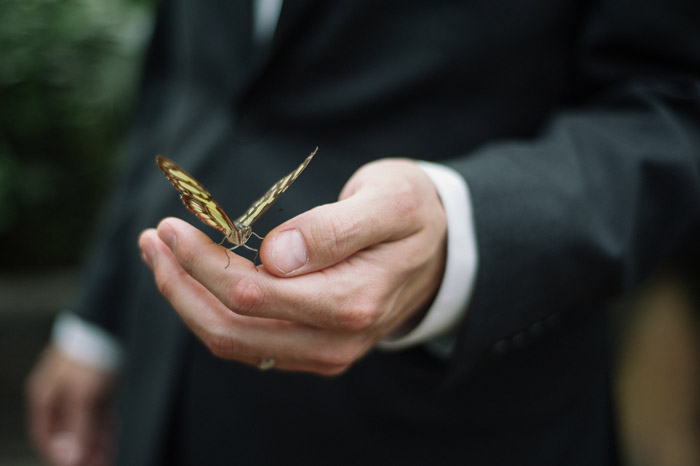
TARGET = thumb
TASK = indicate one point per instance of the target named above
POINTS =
(330, 233)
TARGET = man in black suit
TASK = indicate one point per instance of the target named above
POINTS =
(459, 306)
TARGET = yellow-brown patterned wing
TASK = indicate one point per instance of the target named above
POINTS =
(196, 197)
(201, 203)
(261, 206)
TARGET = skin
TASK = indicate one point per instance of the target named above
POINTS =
(69, 411)
(364, 266)
(334, 281)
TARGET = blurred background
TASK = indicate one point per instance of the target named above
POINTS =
(68, 75)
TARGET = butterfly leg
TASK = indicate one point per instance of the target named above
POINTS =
(248, 247)
(237, 246)
(252, 249)
(227, 256)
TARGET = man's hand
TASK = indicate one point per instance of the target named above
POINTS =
(336, 279)
(70, 420)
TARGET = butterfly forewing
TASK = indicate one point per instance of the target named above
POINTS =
(201, 203)
(261, 206)
(196, 197)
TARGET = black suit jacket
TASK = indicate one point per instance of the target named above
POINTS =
(577, 127)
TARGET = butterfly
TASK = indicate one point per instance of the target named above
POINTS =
(200, 202)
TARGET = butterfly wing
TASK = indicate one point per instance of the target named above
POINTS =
(259, 207)
(196, 198)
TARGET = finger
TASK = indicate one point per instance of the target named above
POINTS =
(339, 298)
(232, 336)
(40, 411)
(102, 450)
(72, 444)
(383, 201)
(294, 347)
(331, 233)
(197, 307)
(170, 229)
(51, 417)
(197, 265)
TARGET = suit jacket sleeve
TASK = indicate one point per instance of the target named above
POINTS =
(113, 277)
(583, 211)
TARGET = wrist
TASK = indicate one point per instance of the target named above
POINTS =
(450, 304)
(86, 343)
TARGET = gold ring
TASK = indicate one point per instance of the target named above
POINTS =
(266, 363)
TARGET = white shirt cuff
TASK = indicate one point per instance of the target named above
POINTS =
(266, 14)
(452, 299)
(86, 343)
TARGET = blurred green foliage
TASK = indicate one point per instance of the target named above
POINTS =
(68, 73)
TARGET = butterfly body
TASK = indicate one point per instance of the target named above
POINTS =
(200, 202)
(240, 234)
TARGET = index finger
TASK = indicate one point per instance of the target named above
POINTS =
(317, 299)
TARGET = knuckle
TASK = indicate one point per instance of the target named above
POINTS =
(220, 343)
(406, 205)
(360, 315)
(245, 296)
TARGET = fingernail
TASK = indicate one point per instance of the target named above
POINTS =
(65, 449)
(167, 234)
(289, 251)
